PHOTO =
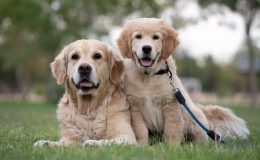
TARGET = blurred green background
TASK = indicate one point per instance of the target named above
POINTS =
(218, 57)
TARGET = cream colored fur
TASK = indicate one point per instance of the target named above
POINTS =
(91, 117)
(225, 122)
(153, 106)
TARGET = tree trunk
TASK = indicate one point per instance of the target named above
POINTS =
(22, 81)
(252, 62)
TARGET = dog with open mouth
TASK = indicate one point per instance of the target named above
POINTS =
(93, 109)
(147, 44)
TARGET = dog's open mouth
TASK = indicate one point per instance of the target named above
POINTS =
(85, 85)
(146, 62)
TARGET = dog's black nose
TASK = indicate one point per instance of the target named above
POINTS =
(84, 68)
(147, 49)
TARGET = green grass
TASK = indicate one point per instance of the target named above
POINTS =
(21, 124)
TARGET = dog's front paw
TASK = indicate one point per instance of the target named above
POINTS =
(41, 143)
(92, 143)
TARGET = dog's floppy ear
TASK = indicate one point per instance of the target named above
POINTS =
(116, 68)
(124, 42)
(58, 67)
(170, 40)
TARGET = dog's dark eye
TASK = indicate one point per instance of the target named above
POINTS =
(97, 56)
(155, 37)
(138, 36)
(75, 56)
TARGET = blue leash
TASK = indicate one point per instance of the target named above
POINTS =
(177, 93)
(213, 135)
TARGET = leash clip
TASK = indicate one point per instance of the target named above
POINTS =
(169, 75)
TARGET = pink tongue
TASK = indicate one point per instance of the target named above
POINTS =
(86, 84)
(146, 62)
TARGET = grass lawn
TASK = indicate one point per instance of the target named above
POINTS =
(21, 124)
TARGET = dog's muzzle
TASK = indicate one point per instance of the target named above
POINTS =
(146, 60)
(85, 83)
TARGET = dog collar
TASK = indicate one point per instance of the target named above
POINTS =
(163, 71)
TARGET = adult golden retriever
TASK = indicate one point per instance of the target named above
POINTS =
(148, 44)
(93, 109)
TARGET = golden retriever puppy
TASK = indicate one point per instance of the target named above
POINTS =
(148, 44)
(93, 109)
